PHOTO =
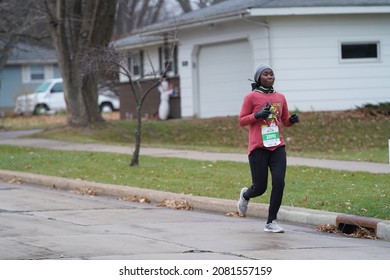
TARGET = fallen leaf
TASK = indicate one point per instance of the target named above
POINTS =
(327, 228)
(359, 232)
(234, 214)
(362, 232)
(179, 205)
(86, 191)
(134, 198)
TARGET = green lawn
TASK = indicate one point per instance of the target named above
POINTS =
(356, 193)
(342, 135)
(354, 135)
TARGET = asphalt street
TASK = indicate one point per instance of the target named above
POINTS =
(43, 223)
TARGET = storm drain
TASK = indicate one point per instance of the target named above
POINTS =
(348, 224)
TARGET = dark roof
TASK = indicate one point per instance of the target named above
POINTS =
(137, 39)
(25, 53)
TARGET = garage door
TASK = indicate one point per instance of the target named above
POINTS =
(224, 70)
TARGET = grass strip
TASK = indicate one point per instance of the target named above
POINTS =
(355, 193)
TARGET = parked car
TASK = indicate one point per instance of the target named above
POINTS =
(49, 98)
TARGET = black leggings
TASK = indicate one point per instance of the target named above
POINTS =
(260, 160)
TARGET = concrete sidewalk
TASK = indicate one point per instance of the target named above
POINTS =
(288, 214)
(11, 138)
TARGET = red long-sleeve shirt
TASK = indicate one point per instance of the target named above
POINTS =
(254, 102)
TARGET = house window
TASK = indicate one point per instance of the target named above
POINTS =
(136, 63)
(168, 60)
(37, 72)
(358, 51)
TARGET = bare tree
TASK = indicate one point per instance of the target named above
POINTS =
(19, 22)
(135, 14)
(108, 60)
(185, 5)
(189, 5)
(75, 27)
(206, 3)
(124, 18)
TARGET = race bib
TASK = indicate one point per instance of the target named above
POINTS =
(270, 135)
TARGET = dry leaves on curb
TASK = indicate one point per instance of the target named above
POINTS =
(86, 191)
(362, 232)
(134, 198)
(179, 205)
(14, 181)
(359, 232)
(234, 214)
(327, 228)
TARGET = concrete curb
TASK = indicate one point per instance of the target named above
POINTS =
(224, 206)
(383, 230)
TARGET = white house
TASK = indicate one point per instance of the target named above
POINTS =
(327, 55)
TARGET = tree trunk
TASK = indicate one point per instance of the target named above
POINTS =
(139, 99)
(185, 5)
(81, 113)
(135, 158)
(77, 26)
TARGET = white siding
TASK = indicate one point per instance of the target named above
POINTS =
(308, 68)
(304, 51)
(191, 43)
(151, 62)
(185, 64)
(224, 70)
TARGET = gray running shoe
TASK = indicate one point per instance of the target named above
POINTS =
(273, 227)
(242, 203)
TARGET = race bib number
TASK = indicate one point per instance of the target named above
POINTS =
(270, 135)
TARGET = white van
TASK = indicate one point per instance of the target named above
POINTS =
(49, 98)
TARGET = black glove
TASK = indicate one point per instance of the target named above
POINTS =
(294, 119)
(264, 113)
